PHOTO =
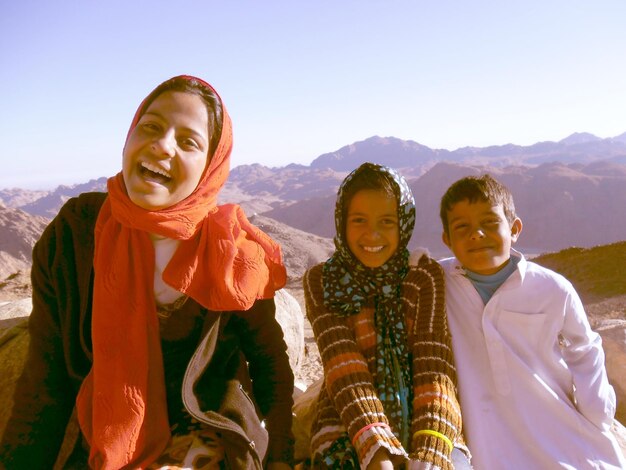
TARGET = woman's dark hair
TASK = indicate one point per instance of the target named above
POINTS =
(187, 84)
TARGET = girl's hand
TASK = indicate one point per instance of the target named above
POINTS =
(417, 465)
(380, 461)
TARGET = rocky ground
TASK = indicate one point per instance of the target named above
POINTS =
(15, 286)
(613, 308)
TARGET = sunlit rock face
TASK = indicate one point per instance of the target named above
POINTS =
(291, 319)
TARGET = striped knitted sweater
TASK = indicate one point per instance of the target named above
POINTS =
(348, 402)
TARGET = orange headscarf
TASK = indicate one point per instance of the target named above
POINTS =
(223, 262)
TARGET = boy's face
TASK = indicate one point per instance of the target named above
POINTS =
(372, 231)
(480, 236)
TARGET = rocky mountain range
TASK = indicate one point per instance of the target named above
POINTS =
(568, 193)
(19, 231)
(577, 148)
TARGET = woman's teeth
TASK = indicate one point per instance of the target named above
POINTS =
(156, 170)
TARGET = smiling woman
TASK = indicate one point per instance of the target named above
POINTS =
(153, 312)
(167, 151)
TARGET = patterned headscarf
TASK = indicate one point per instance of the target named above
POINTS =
(349, 285)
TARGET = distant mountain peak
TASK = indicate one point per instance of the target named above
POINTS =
(390, 151)
(579, 138)
(620, 138)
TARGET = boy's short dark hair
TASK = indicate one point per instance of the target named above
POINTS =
(483, 188)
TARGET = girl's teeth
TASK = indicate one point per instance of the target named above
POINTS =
(372, 249)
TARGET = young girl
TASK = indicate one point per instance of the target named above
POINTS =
(153, 310)
(389, 393)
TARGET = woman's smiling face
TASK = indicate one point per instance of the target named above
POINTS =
(167, 152)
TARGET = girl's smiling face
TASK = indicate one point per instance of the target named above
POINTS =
(167, 151)
(372, 231)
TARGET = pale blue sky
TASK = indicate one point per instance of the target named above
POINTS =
(304, 78)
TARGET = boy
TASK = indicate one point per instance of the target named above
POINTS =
(532, 382)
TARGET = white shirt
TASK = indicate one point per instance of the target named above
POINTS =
(164, 249)
(532, 383)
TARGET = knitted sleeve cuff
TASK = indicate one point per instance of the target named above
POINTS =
(372, 438)
(432, 449)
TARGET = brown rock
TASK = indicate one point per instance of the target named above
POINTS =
(613, 333)
(13, 349)
(18, 233)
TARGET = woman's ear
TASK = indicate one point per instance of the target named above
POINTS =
(516, 229)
